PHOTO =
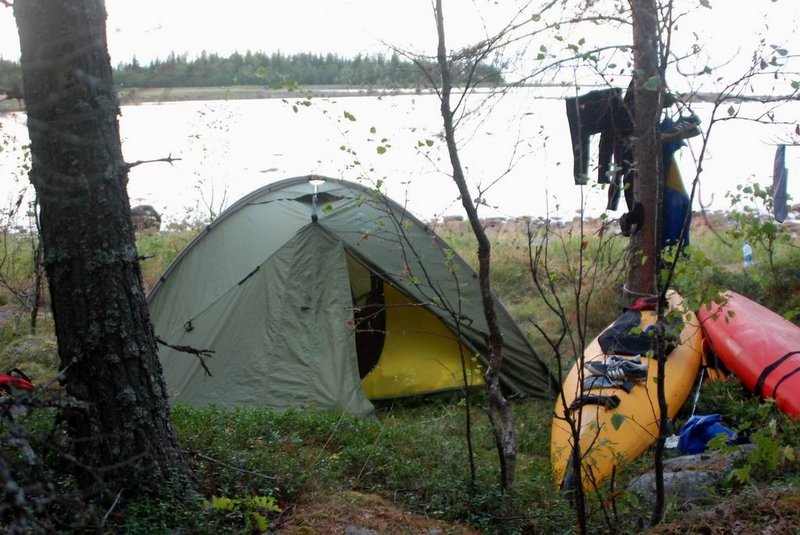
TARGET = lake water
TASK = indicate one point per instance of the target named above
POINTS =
(516, 151)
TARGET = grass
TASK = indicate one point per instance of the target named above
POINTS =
(416, 456)
(319, 466)
(158, 250)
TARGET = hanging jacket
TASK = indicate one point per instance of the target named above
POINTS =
(618, 151)
(596, 112)
(607, 113)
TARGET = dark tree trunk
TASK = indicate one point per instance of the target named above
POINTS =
(647, 188)
(649, 191)
(500, 412)
(38, 280)
(106, 344)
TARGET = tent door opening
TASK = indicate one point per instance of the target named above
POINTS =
(403, 348)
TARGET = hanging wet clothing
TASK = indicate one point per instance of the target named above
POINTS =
(597, 112)
(604, 112)
(621, 179)
(780, 175)
(607, 113)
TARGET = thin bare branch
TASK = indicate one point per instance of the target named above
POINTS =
(169, 159)
(199, 353)
(110, 509)
(227, 465)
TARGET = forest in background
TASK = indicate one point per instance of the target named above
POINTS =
(274, 70)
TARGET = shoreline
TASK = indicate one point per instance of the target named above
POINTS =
(134, 96)
(147, 95)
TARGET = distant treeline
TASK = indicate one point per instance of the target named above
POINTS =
(10, 75)
(276, 69)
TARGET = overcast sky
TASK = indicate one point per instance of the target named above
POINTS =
(154, 28)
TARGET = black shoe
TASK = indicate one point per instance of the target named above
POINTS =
(618, 368)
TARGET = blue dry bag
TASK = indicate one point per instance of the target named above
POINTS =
(699, 430)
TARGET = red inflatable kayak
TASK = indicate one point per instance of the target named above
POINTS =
(758, 346)
(14, 379)
(7, 382)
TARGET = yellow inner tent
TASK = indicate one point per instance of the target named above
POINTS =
(419, 354)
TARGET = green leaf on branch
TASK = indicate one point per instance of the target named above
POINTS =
(381, 149)
(653, 83)
(617, 420)
(705, 3)
(349, 116)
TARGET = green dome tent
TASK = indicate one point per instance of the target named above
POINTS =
(319, 292)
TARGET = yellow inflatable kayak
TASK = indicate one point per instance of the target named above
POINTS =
(617, 407)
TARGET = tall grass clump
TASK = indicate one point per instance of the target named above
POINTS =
(158, 250)
(18, 269)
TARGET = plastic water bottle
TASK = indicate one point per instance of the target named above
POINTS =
(747, 255)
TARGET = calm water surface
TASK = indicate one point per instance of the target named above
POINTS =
(516, 152)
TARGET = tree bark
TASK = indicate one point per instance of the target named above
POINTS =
(106, 344)
(500, 412)
(648, 188)
(649, 191)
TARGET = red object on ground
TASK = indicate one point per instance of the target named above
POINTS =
(9, 381)
(758, 346)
